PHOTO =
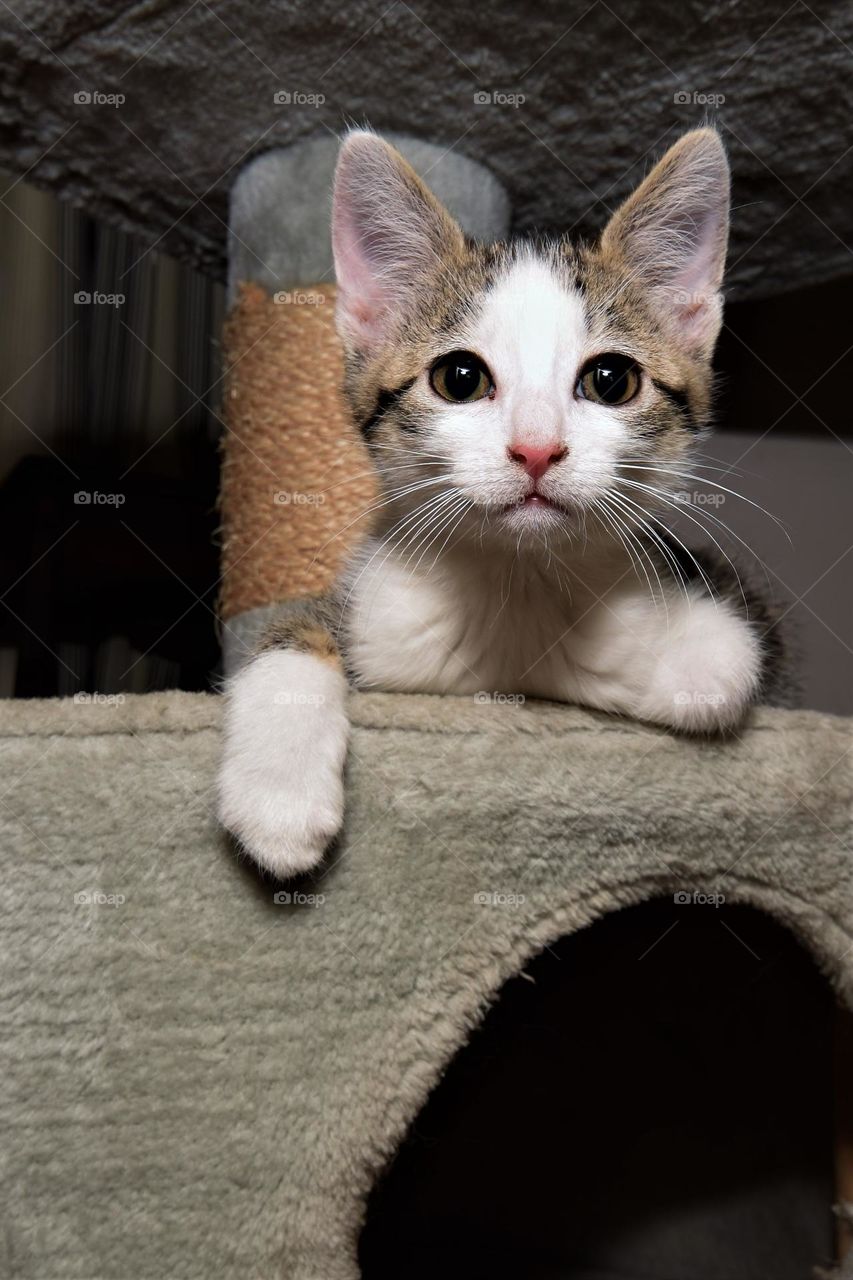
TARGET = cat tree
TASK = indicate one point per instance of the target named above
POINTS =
(205, 1073)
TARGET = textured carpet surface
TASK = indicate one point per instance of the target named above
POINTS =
(603, 85)
(200, 1080)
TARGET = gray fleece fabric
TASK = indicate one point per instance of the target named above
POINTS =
(566, 104)
(280, 215)
(201, 1079)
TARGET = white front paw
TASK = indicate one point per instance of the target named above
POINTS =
(707, 672)
(285, 739)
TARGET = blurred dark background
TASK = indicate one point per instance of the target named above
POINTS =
(116, 403)
(125, 204)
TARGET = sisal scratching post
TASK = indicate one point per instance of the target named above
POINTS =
(297, 482)
(295, 472)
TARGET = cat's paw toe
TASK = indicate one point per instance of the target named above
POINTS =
(707, 675)
(282, 829)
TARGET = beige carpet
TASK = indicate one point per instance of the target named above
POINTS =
(200, 1081)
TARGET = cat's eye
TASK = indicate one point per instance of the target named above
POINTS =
(610, 379)
(460, 377)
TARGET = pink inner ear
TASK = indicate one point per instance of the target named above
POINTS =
(693, 291)
(362, 300)
(702, 270)
(696, 311)
(698, 323)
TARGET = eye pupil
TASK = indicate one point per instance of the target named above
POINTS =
(461, 380)
(610, 379)
(607, 381)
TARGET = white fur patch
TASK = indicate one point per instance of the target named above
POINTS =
(479, 623)
(532, 330)
(693, 666)
(707, 670)
(285, 741)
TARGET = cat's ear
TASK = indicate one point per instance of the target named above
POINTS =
(389, 234)
(672, 235)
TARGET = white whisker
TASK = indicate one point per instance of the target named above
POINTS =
(687, 475)
(385, 500)
(389, 541)
(670, 560)
(679, 507)
(620, 529)
(710, 586)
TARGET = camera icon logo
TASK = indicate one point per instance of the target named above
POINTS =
(82, 298)
(482, 97)
(282, 97)
(681, 98)
(82, 499)
(83, 98)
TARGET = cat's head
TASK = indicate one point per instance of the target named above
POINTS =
(515, 385)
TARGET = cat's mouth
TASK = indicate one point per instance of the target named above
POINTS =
(535, 514)
(534, 502)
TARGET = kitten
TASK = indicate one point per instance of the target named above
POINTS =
(530, 408)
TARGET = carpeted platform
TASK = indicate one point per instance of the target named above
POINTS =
(200, 1079)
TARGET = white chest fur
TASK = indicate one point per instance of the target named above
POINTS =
(593, 637)
(467, 624)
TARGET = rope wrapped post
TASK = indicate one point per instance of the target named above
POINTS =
(297, 481)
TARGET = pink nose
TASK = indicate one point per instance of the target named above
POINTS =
(535, 459)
